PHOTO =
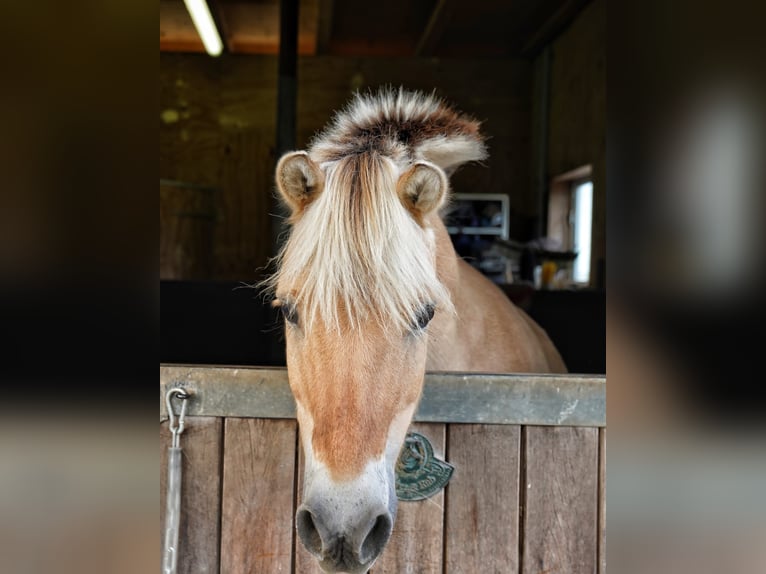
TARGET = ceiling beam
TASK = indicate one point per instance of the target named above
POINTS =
(533, 44)
(435, 28)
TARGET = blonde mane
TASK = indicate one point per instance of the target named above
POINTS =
(356, 253)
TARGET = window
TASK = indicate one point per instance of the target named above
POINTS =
(581, 217)
(570, 218)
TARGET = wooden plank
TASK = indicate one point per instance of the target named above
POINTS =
(248, 165)
(253, 27)
(416, 545)
(602, 501)
(552, 27)
(305, 563)
(200, 493)
(570, 400)
(258, 502)
(561, 400)
(561, 500)
(482, 502)
(177, 31)
(324, 33)
(187, 221)
(190, 132)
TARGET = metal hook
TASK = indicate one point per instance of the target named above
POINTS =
(176, 431)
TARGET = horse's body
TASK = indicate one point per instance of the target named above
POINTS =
(487, 333)
(373, 293)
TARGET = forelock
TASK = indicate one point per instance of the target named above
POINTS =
(356, 254)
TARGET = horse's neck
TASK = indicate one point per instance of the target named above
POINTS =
(445, 336)
(446, 258)
(486, 332)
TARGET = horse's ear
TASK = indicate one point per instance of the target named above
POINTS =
(299, 180)
(422, 189)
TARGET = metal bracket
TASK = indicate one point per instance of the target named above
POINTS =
(419, 474)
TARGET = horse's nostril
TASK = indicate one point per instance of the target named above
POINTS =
(343, 542)
(376, 538)
(308, 532)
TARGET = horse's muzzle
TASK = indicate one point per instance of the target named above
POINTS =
(350, 544)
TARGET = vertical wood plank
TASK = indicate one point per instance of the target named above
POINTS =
(257, 516)
(243, 213)
(305, 563)
(602, 501)
(481, 526)
(416, 545)
(560, 516)
(200, 493)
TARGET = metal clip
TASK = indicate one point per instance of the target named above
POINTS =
(176, 431)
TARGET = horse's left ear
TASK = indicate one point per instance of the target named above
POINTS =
(299, 180)
(422, 189)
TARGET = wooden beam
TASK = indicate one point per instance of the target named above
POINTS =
(177, 31)
(558, 400)
(324, 26)
(552, 27)
(435, 28)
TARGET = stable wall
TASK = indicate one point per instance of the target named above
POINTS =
(577, 112)
(218, 128)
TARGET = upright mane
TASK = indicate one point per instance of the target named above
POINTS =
(404, 126)
(356, 253)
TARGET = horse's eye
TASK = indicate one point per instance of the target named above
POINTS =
(290, 313)
(425, 315)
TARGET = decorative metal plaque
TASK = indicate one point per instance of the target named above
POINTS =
(419, 474)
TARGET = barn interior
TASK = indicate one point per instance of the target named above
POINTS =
(533, 71)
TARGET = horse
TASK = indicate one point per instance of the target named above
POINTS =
(373, 295)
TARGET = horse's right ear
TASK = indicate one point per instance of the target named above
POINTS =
(299, 180)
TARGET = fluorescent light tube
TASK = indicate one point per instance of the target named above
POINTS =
(205, 25)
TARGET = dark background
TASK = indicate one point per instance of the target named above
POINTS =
(228, 323)
(533, 72)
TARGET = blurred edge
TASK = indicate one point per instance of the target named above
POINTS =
(686, 457)
(78, 287)
(78, 243)
(78, 225)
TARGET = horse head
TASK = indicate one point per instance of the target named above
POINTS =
(358, 284)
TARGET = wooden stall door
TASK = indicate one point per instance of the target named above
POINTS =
(523, 499)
